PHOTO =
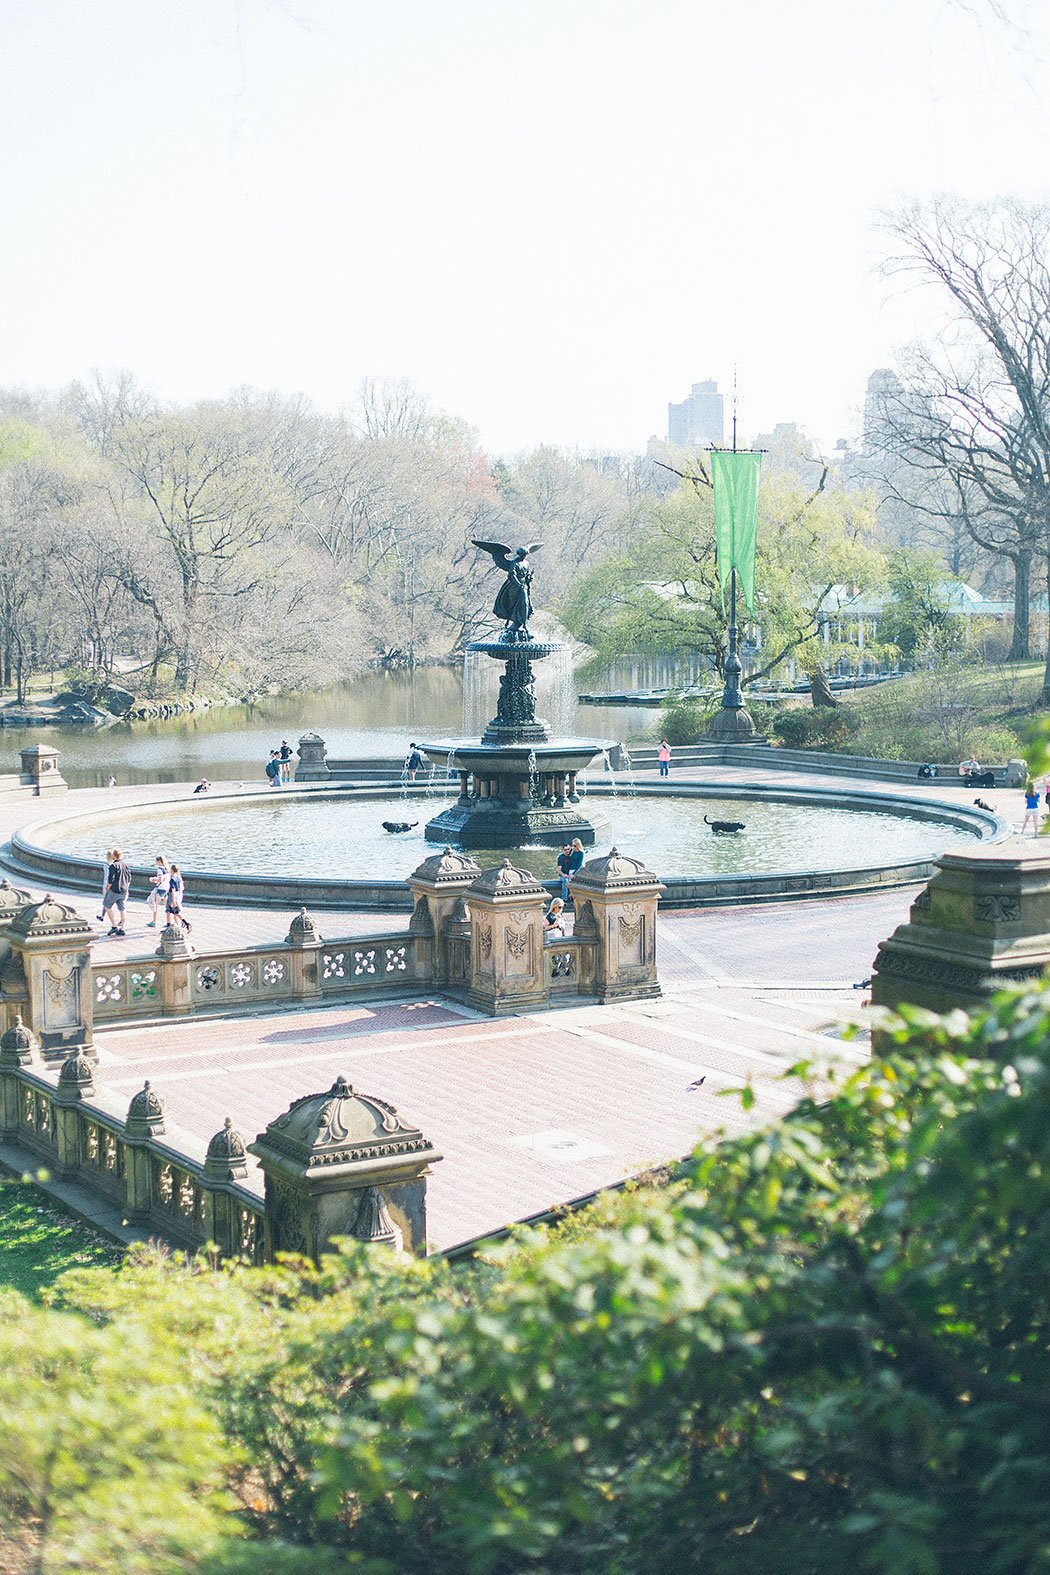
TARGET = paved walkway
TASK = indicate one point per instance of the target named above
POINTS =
(535, 1110)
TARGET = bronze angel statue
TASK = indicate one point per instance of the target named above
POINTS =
(514, 602)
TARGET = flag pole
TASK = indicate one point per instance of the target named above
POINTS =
(732, 698)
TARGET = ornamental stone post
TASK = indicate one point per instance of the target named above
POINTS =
(50, 949)
(615, 900)
(343, 1163)
(76, 1082)
(983, 922)
(225, 1163)
(313, 759)
(438, 887)
(40, 767)
(304, 941)
(145, 1120)
(507, 964)
(176, 970)
(18, 1048)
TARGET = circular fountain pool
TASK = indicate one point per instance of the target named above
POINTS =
(308, 846)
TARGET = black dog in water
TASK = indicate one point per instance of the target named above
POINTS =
(726, 825)
(396, 826)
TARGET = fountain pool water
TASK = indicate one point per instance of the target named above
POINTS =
(339, 836)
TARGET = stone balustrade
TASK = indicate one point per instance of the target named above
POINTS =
(127, 1163)
(305, 968)
(336, 1164)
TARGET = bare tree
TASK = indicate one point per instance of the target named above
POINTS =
(971, 416)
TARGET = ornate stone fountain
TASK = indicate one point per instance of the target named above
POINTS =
(517, 784)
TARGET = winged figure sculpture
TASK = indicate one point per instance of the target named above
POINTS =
(514, 601)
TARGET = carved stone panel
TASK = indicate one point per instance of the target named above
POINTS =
(61, 1008)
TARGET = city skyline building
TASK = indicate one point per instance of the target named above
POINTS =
(698, 420)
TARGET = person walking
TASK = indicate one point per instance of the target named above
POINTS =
(273, 769)
(106, 862)
(285, 757)
(114, 902)
(158, 897)
(663, 755)
(1031, 809)
(414, 762)
(175, 899)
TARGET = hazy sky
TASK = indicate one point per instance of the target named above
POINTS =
(552, 215)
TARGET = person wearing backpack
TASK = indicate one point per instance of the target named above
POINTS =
(114, 901)
(273, 769)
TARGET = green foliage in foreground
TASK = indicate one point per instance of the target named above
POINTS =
(39, 1240)
(823, 1349)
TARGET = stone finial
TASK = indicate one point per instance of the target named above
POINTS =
(615, 871)
(226, 1159)
(18, 1045)
(145, 1114)
(12, 899)
(508, 880)
(340, 1127)
(76, 1080)
(303, 931)
(446, 868)
(49, 920)
(174, 942)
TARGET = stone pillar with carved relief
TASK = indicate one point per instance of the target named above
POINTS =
(615, 899)
(304, 941)
(313, 759)
(507, 961)
(438, 888)
(343, 1163)
(983, 922)
(40, 769)
(50, 951)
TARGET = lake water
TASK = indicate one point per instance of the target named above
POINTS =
(378, 714)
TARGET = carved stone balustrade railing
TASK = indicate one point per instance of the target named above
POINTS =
(304, 968)
(126, 1162)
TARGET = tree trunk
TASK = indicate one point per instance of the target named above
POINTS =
(819, 688)
(1020, 647)
(1044, 698)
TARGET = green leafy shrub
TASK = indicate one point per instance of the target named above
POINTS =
(683, 720)
(820, 727)
(825, 1347)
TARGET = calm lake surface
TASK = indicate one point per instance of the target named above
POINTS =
(377, 714)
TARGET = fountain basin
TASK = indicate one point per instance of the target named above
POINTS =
(516, 793)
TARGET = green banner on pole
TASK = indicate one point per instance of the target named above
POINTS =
(734, 474)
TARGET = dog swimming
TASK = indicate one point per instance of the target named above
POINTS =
(395, 827)
(726, 825)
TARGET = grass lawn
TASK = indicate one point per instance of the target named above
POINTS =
(39, 1240)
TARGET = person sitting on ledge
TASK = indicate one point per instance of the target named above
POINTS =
(554, 919)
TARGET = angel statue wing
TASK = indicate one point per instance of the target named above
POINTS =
(500, 554)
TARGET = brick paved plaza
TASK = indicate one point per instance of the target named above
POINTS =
(528, 1111)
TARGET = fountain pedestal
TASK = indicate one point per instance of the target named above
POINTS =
(517, 784)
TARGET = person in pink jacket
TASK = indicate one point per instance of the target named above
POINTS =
(663, 755)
